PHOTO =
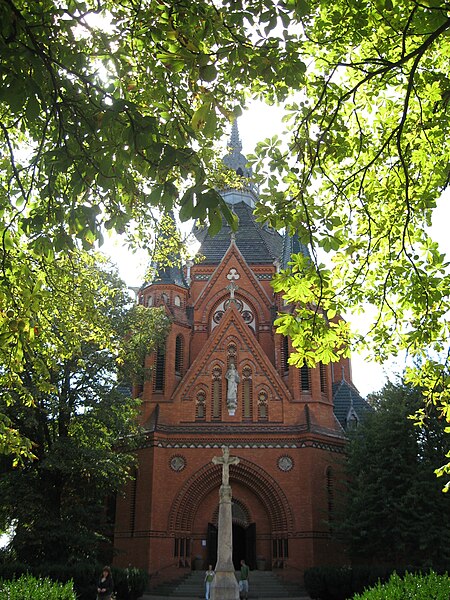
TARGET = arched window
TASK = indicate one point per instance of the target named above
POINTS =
(179, 351)
(262, 406)
(330, 496)
(247, 394)
(177, 301)
(200, 406)
(160, 367)
(323, 378)
(305, 379)
(150, 301)
(216, 392)
(285, 355)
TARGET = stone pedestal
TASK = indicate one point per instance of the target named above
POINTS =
(224, 585)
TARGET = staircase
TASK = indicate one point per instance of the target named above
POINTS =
(263, 584)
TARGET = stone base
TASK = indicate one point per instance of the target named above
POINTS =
(225, 586)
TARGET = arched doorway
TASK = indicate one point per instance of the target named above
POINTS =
(258, 506)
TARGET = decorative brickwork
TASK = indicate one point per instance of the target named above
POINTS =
(283, 429)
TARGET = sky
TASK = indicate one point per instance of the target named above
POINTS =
(257, 123)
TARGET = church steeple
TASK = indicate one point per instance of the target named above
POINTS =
(236, 161)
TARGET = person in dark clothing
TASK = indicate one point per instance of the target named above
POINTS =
(105, 585)
(243, 583)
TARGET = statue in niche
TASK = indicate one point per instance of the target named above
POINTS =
(232, 376)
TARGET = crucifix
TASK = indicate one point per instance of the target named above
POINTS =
(226, 460)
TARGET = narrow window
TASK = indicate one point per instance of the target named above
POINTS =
(179, 355)
(247, 393)
(217, 393)
(160, 365)
(330, 497)
(200, 412)
(262, 406)
(285, 355)
(305, 379)
(323, 378)
(133, 503)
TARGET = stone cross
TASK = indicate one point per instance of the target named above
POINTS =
(226, 460)
(232, 287)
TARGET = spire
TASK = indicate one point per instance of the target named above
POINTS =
(235, 141)
(236, 161)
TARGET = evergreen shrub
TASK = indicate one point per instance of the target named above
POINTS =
(129, 583)
(340, 583)
(28, 587)
(417, 586)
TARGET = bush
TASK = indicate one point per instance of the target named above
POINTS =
(419, 587)
(340, 583)
(129, 583)
(32, 588)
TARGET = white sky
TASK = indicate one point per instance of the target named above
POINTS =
(257, 123)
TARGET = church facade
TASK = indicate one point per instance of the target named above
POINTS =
(223, 379)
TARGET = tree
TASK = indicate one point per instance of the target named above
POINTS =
(73, 413)
(365, 162)
(396, 514)
(103, 124)
(108, 116)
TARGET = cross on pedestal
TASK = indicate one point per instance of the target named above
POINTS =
(224, 585)
(226, 460)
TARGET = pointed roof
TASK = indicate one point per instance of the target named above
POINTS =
(257, 243)
(237, 162)
(292, 245)
(169, 274)
(347, 401)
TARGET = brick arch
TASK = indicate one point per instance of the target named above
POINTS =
(248, 474)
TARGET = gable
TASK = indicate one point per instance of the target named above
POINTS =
(231, 327)
(232, 269)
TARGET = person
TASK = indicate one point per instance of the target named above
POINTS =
(105, 585)
(209, 576)
(243, 583)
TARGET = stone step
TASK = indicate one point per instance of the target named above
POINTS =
(263, 584)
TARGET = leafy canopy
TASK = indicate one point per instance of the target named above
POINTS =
(358, 176)
(103, 122)
(69, 411)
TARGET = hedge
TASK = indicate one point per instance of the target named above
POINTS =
(28, 587)
(416, 586)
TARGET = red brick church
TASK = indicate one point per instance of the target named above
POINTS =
(286, 425)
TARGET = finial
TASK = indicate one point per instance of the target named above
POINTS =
(235, 141)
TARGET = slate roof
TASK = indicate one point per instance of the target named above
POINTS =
(292, 245)
(173, 274)
(257, 243)
(345, 398)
